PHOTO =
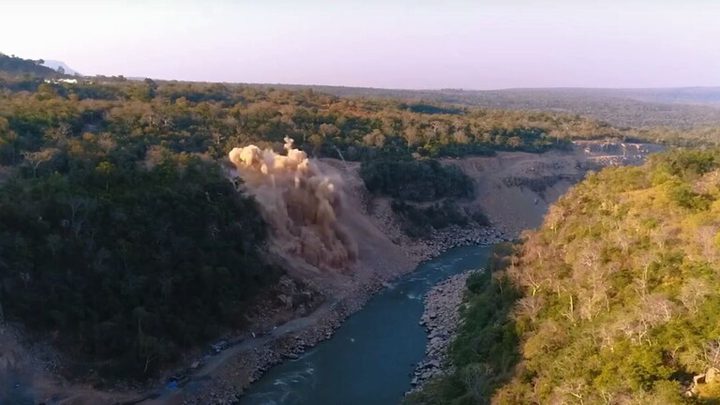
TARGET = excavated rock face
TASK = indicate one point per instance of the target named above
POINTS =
(301, 203)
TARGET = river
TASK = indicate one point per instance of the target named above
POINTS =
(370, 358)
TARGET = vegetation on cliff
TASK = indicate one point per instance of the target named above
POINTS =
(127, 264)
(416, 180)
(617, 296)
(424, 193)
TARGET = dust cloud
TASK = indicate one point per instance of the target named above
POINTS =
(300, 202)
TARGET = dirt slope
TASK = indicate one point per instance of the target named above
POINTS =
(515, 189)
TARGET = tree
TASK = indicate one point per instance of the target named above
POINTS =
(105, 169)
(35, 159)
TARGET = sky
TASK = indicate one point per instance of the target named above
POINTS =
(412, 44)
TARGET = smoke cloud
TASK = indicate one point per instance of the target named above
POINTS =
(300, 202)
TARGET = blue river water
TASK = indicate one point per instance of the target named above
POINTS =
(370, 358)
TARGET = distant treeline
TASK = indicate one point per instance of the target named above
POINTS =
(665, 109)
(212, 118)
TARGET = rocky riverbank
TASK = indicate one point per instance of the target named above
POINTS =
(249, 361)
(441, 320)
(455, 236)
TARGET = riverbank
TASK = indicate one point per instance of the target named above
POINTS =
(344, 369)
(440, 319)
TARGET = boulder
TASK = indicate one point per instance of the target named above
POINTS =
(712, 375)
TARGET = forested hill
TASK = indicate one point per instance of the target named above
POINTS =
(15, 66)
(613, 300)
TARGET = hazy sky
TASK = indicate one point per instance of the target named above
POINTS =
(400, 44)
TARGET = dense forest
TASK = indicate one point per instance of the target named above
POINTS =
(664, 113)
(613, 300)
(211, 118)
(130, 264)
(424, 193)
(415, 180)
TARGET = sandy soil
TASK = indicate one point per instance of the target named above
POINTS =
(513, 189)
